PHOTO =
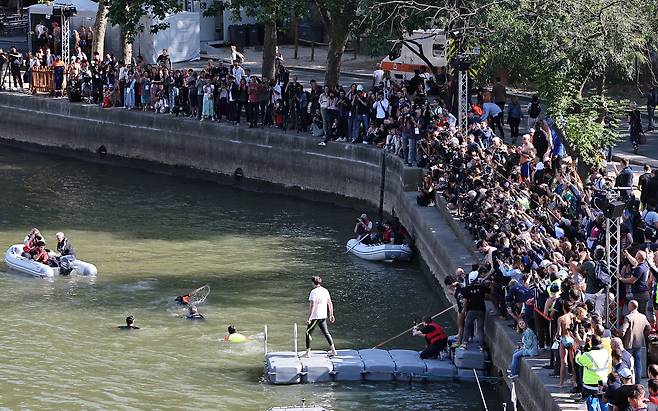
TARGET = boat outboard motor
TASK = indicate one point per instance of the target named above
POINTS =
(65, 266)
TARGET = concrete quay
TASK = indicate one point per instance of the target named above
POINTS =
(345, 174)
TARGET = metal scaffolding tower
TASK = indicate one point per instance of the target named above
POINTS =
(612, 259)
(66, 39)
(462, 79)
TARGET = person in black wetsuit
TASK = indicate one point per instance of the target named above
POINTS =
(194, 313)
(130, 324)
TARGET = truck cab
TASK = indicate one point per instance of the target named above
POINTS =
(404, 59)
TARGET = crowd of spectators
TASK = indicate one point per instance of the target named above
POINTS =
(384, 113)
(541, 226)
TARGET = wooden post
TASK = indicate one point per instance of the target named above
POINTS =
(312, 50)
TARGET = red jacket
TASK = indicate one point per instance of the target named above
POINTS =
(41, 257)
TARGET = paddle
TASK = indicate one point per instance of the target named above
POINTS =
(409, 329)
(357, 243)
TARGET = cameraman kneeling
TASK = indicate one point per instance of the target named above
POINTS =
(436, 338)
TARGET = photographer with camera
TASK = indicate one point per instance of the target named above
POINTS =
(15, 60)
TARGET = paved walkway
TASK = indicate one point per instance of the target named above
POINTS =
(352, 65)
(647, 153)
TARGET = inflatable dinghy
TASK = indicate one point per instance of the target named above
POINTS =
(15, 261)
(379, 252)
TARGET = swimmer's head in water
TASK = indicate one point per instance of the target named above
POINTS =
(130, 320)
(231, 329)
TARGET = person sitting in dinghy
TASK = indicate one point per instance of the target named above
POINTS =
(64, 247)
(30, 242)
(363, 226)
(388, 236)
(40, 253)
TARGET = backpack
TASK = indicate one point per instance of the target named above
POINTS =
(602, 274)
(535, 110)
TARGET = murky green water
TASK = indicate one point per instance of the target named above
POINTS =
(153, 237)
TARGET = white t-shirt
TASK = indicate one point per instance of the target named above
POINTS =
(320, 297)
(378, 76)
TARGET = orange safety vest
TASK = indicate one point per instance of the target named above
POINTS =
(435, 335)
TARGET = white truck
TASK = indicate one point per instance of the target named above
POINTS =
(405, 56)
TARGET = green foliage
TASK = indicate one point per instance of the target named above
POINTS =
(267, 12)
(130, 15)
(587, 131)
(558, 46)
(374, 45)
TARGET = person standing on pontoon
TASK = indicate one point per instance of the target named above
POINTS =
(320, 308)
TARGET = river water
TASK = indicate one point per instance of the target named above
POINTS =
(153, 237)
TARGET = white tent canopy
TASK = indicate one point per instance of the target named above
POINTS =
(80, 5)
(181, 39)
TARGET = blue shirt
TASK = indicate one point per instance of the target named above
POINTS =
(490, 110)
(641, 272)
(515, 111)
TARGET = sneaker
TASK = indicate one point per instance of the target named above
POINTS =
(431, 204)
(509, 370)
(512, 376)
(322, 144)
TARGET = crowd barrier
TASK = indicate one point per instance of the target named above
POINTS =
(43, 80)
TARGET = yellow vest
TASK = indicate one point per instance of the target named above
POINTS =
(237, 338)
(596, 365)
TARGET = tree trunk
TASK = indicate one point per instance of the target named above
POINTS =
(269, 51)
(338, 32)
(100, 25)
(600, 87)
(126, 48)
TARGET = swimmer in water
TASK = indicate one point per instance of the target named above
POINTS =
(234, 336)
(183, 299)
(194, 313)
(130, 324)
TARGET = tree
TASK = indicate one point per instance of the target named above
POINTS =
(131, 14)
(100, 26)
(337, 18)
(271, 14)
(560, 47)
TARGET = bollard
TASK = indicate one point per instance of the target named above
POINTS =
(312, 50)
(294, 336)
